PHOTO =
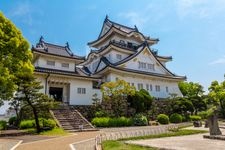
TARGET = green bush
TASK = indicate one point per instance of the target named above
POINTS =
(101, 122)
(163, 119)
(26, 124)
(195, 118)
(100, 114)
(111, 122)
(186, 118)
(13, 121)
(203, 114)
(140, 120)
(44, 123)
(3, 124)
(175, 118)
(47, 123)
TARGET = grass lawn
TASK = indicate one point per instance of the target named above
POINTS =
(53, 132)
(120, 145)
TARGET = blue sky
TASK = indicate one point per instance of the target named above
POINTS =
(192, 31)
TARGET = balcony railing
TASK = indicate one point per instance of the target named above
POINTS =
(124, 45)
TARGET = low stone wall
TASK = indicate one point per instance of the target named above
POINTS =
(86, 110)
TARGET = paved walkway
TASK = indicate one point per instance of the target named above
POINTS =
(190, 142)
(6, 144)
(59, 143)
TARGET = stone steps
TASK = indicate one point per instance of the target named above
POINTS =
(71, 120)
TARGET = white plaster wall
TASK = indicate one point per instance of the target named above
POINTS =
(82, 99)
(145, 57)
(42, 62)
(172, 85)
(113, 54)
(41, 79)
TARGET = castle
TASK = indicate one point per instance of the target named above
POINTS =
(120, 52)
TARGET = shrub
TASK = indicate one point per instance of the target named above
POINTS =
(3, 124)
(47, 123)
(100, 114)
(140, 120)
(186, 118)
(13, 121)
(163, 119)
(203, 114)
(44, 123)
(195, 118)
(101, 122)
(26, 124)
(175, 118)
(111, 122)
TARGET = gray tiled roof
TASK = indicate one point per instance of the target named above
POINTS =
(52, 49)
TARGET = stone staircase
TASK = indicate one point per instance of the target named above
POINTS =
(71, 120)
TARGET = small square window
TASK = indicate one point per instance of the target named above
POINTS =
(50, 63)
(65, 65)
(118, 56)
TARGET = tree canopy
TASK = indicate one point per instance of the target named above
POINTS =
(15, 57)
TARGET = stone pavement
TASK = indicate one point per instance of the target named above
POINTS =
(59, 143)
(6, 144)
(190, 142)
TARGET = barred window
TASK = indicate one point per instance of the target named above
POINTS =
(50, 63)
(157, 88)
(167, 89)
(118, 56)
(65, 65)
(81, 90)
(140, 86)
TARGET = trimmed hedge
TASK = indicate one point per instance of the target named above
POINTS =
(111, 122)
(195, 118)
(175, 118)
(140, 120)
(3, 125)
(163, 119)
(44, 123)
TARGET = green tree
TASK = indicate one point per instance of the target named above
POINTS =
(217, 96)
(194, 93)
(181, 105)
(29, 96)
(115, 96)
(141, 101)
(15, 57)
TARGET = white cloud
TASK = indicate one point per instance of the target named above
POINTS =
(199, 8)
(218, 61)
(134, 18)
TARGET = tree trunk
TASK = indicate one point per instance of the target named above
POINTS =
(213, 125)
(38, 128)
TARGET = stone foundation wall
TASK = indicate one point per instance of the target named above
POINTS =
(87, 111)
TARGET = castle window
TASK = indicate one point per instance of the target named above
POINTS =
(132, 84)
(50, 63)
(157, 88)
(140, 86)
(65, 65)
(167, 89)
(118, 56)
(150, 86)
(151, 66)
(81, 90)
(147, 87)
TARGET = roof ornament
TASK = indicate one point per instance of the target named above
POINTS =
(135, 27)
(41, 40)
(67, 45)
(68, 48)
(106, 18)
